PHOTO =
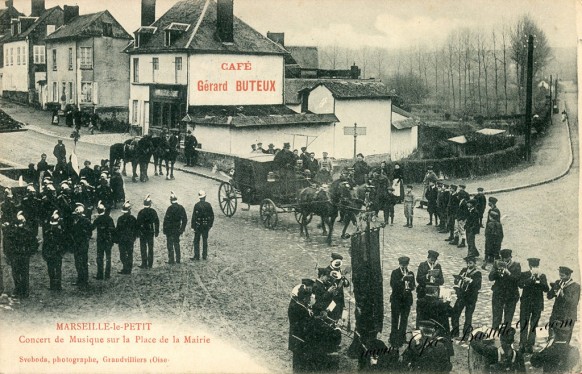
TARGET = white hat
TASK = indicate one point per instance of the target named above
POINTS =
(201, 194)
(30, 188)
(8, 192)
(100, 207)
(173, 197)
(126, 207)
(147, 201)
(65, 186)
(20, 217)
(80, 209)
(55, 218)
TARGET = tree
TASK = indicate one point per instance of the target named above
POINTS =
(410, 87)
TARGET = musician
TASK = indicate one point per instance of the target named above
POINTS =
(429, 351)
(429, 273)
(503, 359)
(492, 202)
(567, 294)
(461, 216)
(402, 284)
(505, 273)
(329, 294)
(300, 315)
(467, 285)
(534, 284)
(374, 355)
(558, 356)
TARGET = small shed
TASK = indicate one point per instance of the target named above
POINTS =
(459, 143)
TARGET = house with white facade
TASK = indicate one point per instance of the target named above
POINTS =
(404, 139)
(24, 71)
(6, 15)
(86, 65)
(200, 67)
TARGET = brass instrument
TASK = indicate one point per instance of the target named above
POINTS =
(407, 283)
(501, 266)
(461, 283)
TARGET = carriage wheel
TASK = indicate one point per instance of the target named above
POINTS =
(299, 217)
(227, 199)
(269, 215)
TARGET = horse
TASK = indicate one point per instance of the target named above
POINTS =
(318, 201)
(165, 150)
(144, 153)
(350, 200)
(125, 152)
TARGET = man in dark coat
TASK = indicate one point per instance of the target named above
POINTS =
(84, 194)
(452, 208)
(117, 188)
(493, 238)
(558, 356)
(175, 222)
(428, 352)
(42, 165)
(506, 274)
(361, 170)
(481, 204)
(105, 236)
(52, 251)
(300, 316)
(104, 193)
(442, 201)
(8, 208)
(472, 228)
(461, 217)
(190, 144)
(30, 206)
(534, 284)
(429, 273)
(467, 286)
(202, 221)
(402, 284)
(431, 196)
(148, 227)
(567, 295)
(126, 233)
(59, 151)
(81, 232)
(88, 173)
(492, 202)
(30, 175)
(20, 244)
(504, 359)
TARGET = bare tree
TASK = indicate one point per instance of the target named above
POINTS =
(504, 43)
(378, 59)
(496, 71)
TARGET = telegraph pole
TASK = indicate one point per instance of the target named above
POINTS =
(528, 98)
(355, 138)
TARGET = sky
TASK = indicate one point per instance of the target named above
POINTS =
(388, 24)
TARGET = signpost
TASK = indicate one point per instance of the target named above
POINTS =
(354, 131)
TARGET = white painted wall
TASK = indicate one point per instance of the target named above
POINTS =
(15, 75)
(209, 68)
(141, 93)
(320, 100)
(166, 74)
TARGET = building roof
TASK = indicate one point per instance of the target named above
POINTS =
(488, 131)
(201, 35)
(305, 57)
(401, 111)
(402, 119)
(40, 20)
(89, 25)
(458, 139)
(253, 116)
(356, 89)
(294, 86)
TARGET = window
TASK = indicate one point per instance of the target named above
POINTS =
(107, 29)
(168, 38)
(86, 58)
(54, 59)
(23, 59)
(70, 58)
(136, 70)
(64, 92)
(156, 63)
(11, 56)
(134, 116)
(86, 92)
(55, 92)
(70, 92)
(178, 62)
(38, 51)
(50, 29)
(18, 56)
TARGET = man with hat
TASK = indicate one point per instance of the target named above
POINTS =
(326, 168)
(409, 202)
(329, 291)
(452, 209)
(429, 351)
(402, 284)
(285, 162)
(429, 273)
(430, 176)
(558, 356)
(461, 217)
(493, 238)
(175, 221)
(190, 144)
(126, 233)
(492, 202)
(20, 243)
(431, 195)
(467, 286)
(254, 148)
(389, 202)
(271, 149)
(503, 359)
(59, 151)
(103, 192)
(105, 236)
(472, 227)
(117, 188)
(442, 201)
(567, 295)
(300, 326)
(148, 226)
(30, 206)
(88, 173)
(534, 284)
(52, 251)
(481, 204)
(505, 273)
(304, 157)
(81, 232)
(260, 149)
(202, 221)
(361, 170)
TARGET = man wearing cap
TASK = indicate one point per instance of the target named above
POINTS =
(254, 148)
(452, 209)
(87, 173)
(126, 233)
(481, 204)
(48, 204)
(402, 284)
(505, 273)
(52, 251)
(117, 189)
(492, 202)
(81, 232)
(59, 151)
(558, 356)
(202, 221)
(467, 286)
(148, 227)
(19, 245)
(442, 201)
(66, 207)
(389, 202)
(103, 192)
(270, 150)
(304, 157)
(361, 170)
(300, 327)
(429, 351)
(429, 273)
(431, 196)
(326, 168)
(430, 176)
(503, 359)
(83, 194)
(493, 238)
(461, 217)
(105, 235)
(30, 175)
(285, 162)
(567, 295)
(8, 207)
(409, 201)
(175, 221)
(190, 144)
(472, 227)
(259, 148)
(534, 284)
(30, 206)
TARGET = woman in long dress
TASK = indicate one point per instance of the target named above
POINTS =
(398, 182)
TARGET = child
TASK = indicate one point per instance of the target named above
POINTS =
(409, 201)
(389, 203)
(493, 238)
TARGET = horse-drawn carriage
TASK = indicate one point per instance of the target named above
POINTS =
(257, 181)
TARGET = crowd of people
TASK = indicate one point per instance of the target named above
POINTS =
(67, 206)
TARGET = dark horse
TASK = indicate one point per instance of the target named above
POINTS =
(351, 200)
(165, 150)
(125, 152)
(318, 201)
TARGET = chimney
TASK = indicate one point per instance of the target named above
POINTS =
(70, 12)
(9, 3)
(148, 12)
(277, 37)
(224, 20)
(36, 8)
(354, 71)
